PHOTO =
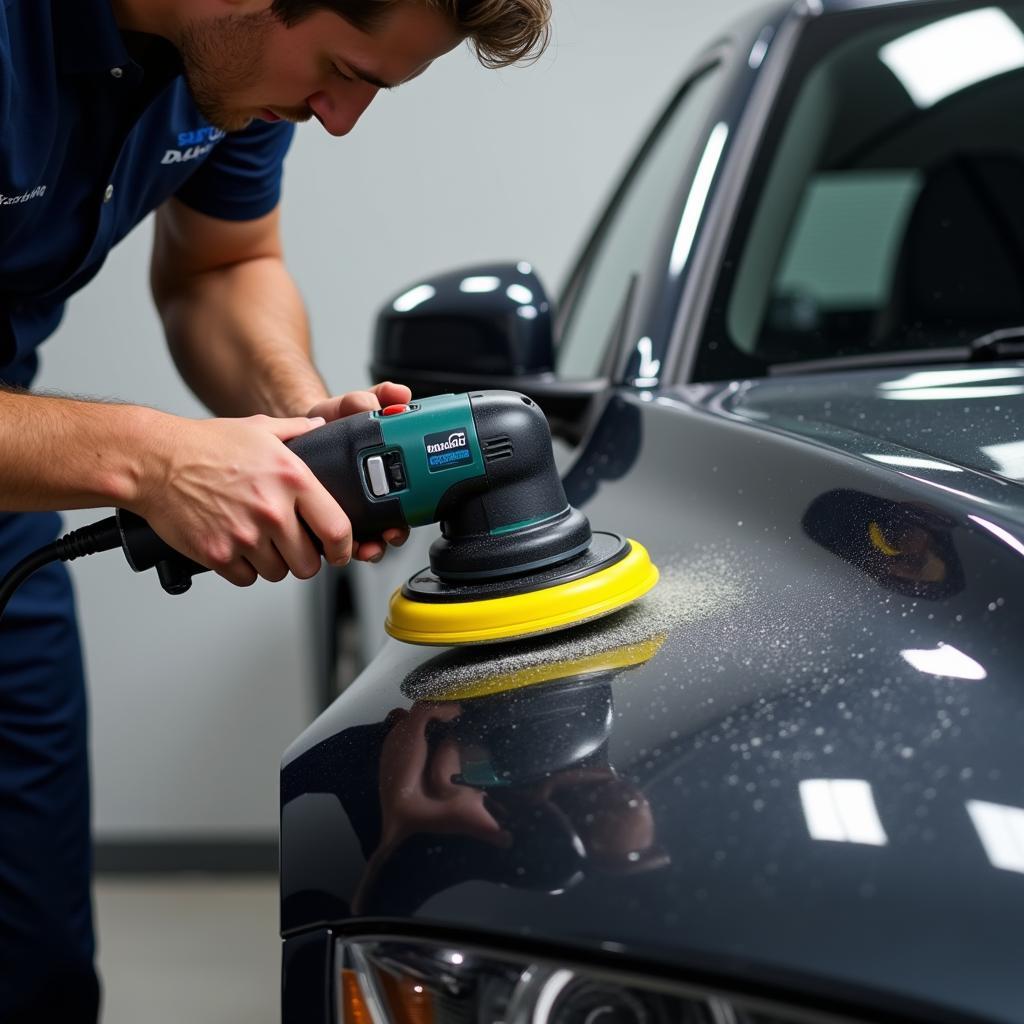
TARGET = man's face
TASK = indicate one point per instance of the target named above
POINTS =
(242, 67)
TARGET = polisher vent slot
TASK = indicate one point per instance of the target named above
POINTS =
(497, 448)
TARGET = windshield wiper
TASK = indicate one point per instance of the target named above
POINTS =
(1006, 343)
(868, 361)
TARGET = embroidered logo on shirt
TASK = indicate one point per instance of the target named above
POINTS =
(37, 193)
(192, 145)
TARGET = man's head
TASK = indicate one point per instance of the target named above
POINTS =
(296, 59)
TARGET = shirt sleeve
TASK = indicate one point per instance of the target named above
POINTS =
(241, 178)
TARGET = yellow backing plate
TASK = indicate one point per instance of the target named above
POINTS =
(521, 615)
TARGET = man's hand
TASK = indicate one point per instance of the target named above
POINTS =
(228, 493)
(237, 329)
(377, 397)
(416, 789)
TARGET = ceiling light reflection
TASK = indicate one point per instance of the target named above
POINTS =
(1008, 457)
(907, 462)
(1001, 831)
(997, 531)
(698, 196)
(760, 48)
(946, 661)
(649, 367)
(955, 394)
(950, 490)
(842, 811)
(479, 285)
(519, 293)
(413, 297)
(942, 378)
(947, 56)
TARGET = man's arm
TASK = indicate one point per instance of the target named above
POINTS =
(60, 453)
(234, 319)
(225, 492)
(237, 328)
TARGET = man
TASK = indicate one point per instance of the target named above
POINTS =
(110, 109)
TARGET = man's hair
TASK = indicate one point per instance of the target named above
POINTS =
(503, 32)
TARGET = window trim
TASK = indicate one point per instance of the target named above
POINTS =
(686, 337)
(715, 57)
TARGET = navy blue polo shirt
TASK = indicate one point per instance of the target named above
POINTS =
(97, 129)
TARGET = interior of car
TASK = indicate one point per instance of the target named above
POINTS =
(886, 222)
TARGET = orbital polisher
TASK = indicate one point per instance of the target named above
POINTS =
(514, 559)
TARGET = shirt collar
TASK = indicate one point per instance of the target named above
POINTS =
(87, 37)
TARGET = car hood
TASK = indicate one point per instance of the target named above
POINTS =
(960, 417)
(796, 761)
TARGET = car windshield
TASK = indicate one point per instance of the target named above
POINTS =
(886, 212)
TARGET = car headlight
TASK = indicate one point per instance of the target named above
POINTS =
(384, 981)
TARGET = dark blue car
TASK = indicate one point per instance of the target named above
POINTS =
(787, 785)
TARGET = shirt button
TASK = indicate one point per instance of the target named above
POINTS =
(108, 193)
(117, 72)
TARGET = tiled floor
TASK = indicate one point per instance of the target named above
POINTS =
(195, 949)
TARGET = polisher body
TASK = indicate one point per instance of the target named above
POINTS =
(480, 464)
(514, 558)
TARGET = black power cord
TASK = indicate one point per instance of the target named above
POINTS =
(102, 536)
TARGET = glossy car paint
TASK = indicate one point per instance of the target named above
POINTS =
(796, 661)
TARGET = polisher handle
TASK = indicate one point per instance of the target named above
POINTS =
(337, 455)
(332, 452)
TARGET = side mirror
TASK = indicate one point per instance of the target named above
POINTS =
(488, 326)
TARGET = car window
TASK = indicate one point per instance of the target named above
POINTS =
(625, 243)
(886, 210)
(839, 261)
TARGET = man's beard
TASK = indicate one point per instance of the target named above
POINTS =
(225, 57)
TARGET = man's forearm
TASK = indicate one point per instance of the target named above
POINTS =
(240, 338)
(60, 453)
(225, 492)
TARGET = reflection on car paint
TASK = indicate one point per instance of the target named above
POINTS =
(616, 440)
(905, 546)
(514, 787)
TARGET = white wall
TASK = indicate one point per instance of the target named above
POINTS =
(194, 698)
